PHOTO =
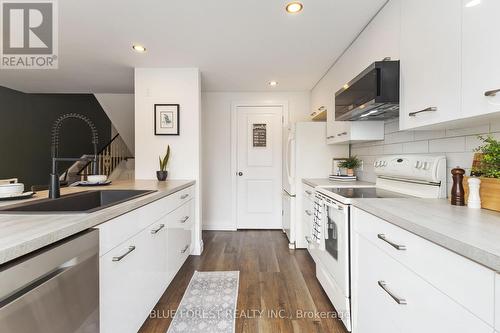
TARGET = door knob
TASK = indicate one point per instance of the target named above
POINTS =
(240, 173)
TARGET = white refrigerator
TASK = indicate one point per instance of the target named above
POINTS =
(305, 155)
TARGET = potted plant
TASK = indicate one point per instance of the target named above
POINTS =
(486, 166)
(163, 173)
(350, 164)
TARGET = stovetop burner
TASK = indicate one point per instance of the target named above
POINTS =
(369, 192)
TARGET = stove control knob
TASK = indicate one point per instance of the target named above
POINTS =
(427, 165)
(385, 163)
(418, 165)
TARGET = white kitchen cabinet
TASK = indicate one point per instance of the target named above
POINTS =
(131, 280)
(141, 252)
(480, 57)
(447, 271)
(343, 132)
(307, 213)
(388, 297)
(430, 62)
(179, 234)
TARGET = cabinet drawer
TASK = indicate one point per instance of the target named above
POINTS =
(380, 282)
(125, 303)
(468, 283)
(308, 192)
(117, 230)
(181, 216)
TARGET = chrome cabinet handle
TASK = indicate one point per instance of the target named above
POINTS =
(343, 133)
(130, 250)
(491, 93)
(394, 245)
(399, 300)
(184, 219)
(185, 249)
(184, 196)
(308, 240)
(308, 212)
(330, 137)
(430, 109)
(157, 230)
(308, 192)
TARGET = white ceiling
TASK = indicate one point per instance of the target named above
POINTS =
(238, 45)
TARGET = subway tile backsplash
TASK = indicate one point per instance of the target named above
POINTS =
(457, 144)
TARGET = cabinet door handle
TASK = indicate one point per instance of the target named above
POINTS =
(130, 250)
(185, 249)
(430, 109)
(184, 196)
(308, 212)
(394, 245)
(308, 192)
(308, 240)
(399, 300)
(343, 133)
(491, 93)
(330, 137)
(157, 230)
(184, 219)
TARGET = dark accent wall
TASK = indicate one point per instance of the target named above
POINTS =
(25, 127)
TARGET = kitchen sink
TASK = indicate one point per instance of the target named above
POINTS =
(82, 202)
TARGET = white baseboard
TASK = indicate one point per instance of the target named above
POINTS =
(218, 227)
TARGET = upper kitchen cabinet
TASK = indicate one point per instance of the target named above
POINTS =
(430, 62)
(344, 132)
(480, 57)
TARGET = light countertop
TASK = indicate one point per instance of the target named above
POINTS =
(23, 233)
(325, 182)
(472, 233)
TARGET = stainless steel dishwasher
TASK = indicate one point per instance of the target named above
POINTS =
(53, 290)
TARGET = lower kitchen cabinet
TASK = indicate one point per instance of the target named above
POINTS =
(131, 278)
(135, 273)
(392, 293)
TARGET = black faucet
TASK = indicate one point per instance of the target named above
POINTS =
(54, 185)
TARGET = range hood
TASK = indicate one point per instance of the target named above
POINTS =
(372, 95)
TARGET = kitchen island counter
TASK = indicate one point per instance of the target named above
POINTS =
(21, 233)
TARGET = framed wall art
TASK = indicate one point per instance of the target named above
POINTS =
(167, 119)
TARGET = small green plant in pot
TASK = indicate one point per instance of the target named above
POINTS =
(350, 164)
(162, 174)
(486, 166)
(489, 165)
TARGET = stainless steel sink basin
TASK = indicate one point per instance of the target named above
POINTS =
(82, 202)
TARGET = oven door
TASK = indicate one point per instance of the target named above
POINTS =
(335, 257)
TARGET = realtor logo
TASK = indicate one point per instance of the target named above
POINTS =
(29, 34)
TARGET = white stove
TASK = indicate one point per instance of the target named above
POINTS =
(399, 176)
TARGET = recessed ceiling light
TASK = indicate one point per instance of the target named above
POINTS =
(294, 7)
(273, 83)
(472, 3)
(139, 48)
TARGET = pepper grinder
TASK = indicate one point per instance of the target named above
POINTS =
(474, 200)
(457, 190)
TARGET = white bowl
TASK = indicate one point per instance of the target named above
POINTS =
(8, 189)
(97, 179)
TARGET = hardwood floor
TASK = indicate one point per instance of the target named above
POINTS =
(273, 279)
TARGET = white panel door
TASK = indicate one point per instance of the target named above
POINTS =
(259, 157)
(430, 62)
(481, 56)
